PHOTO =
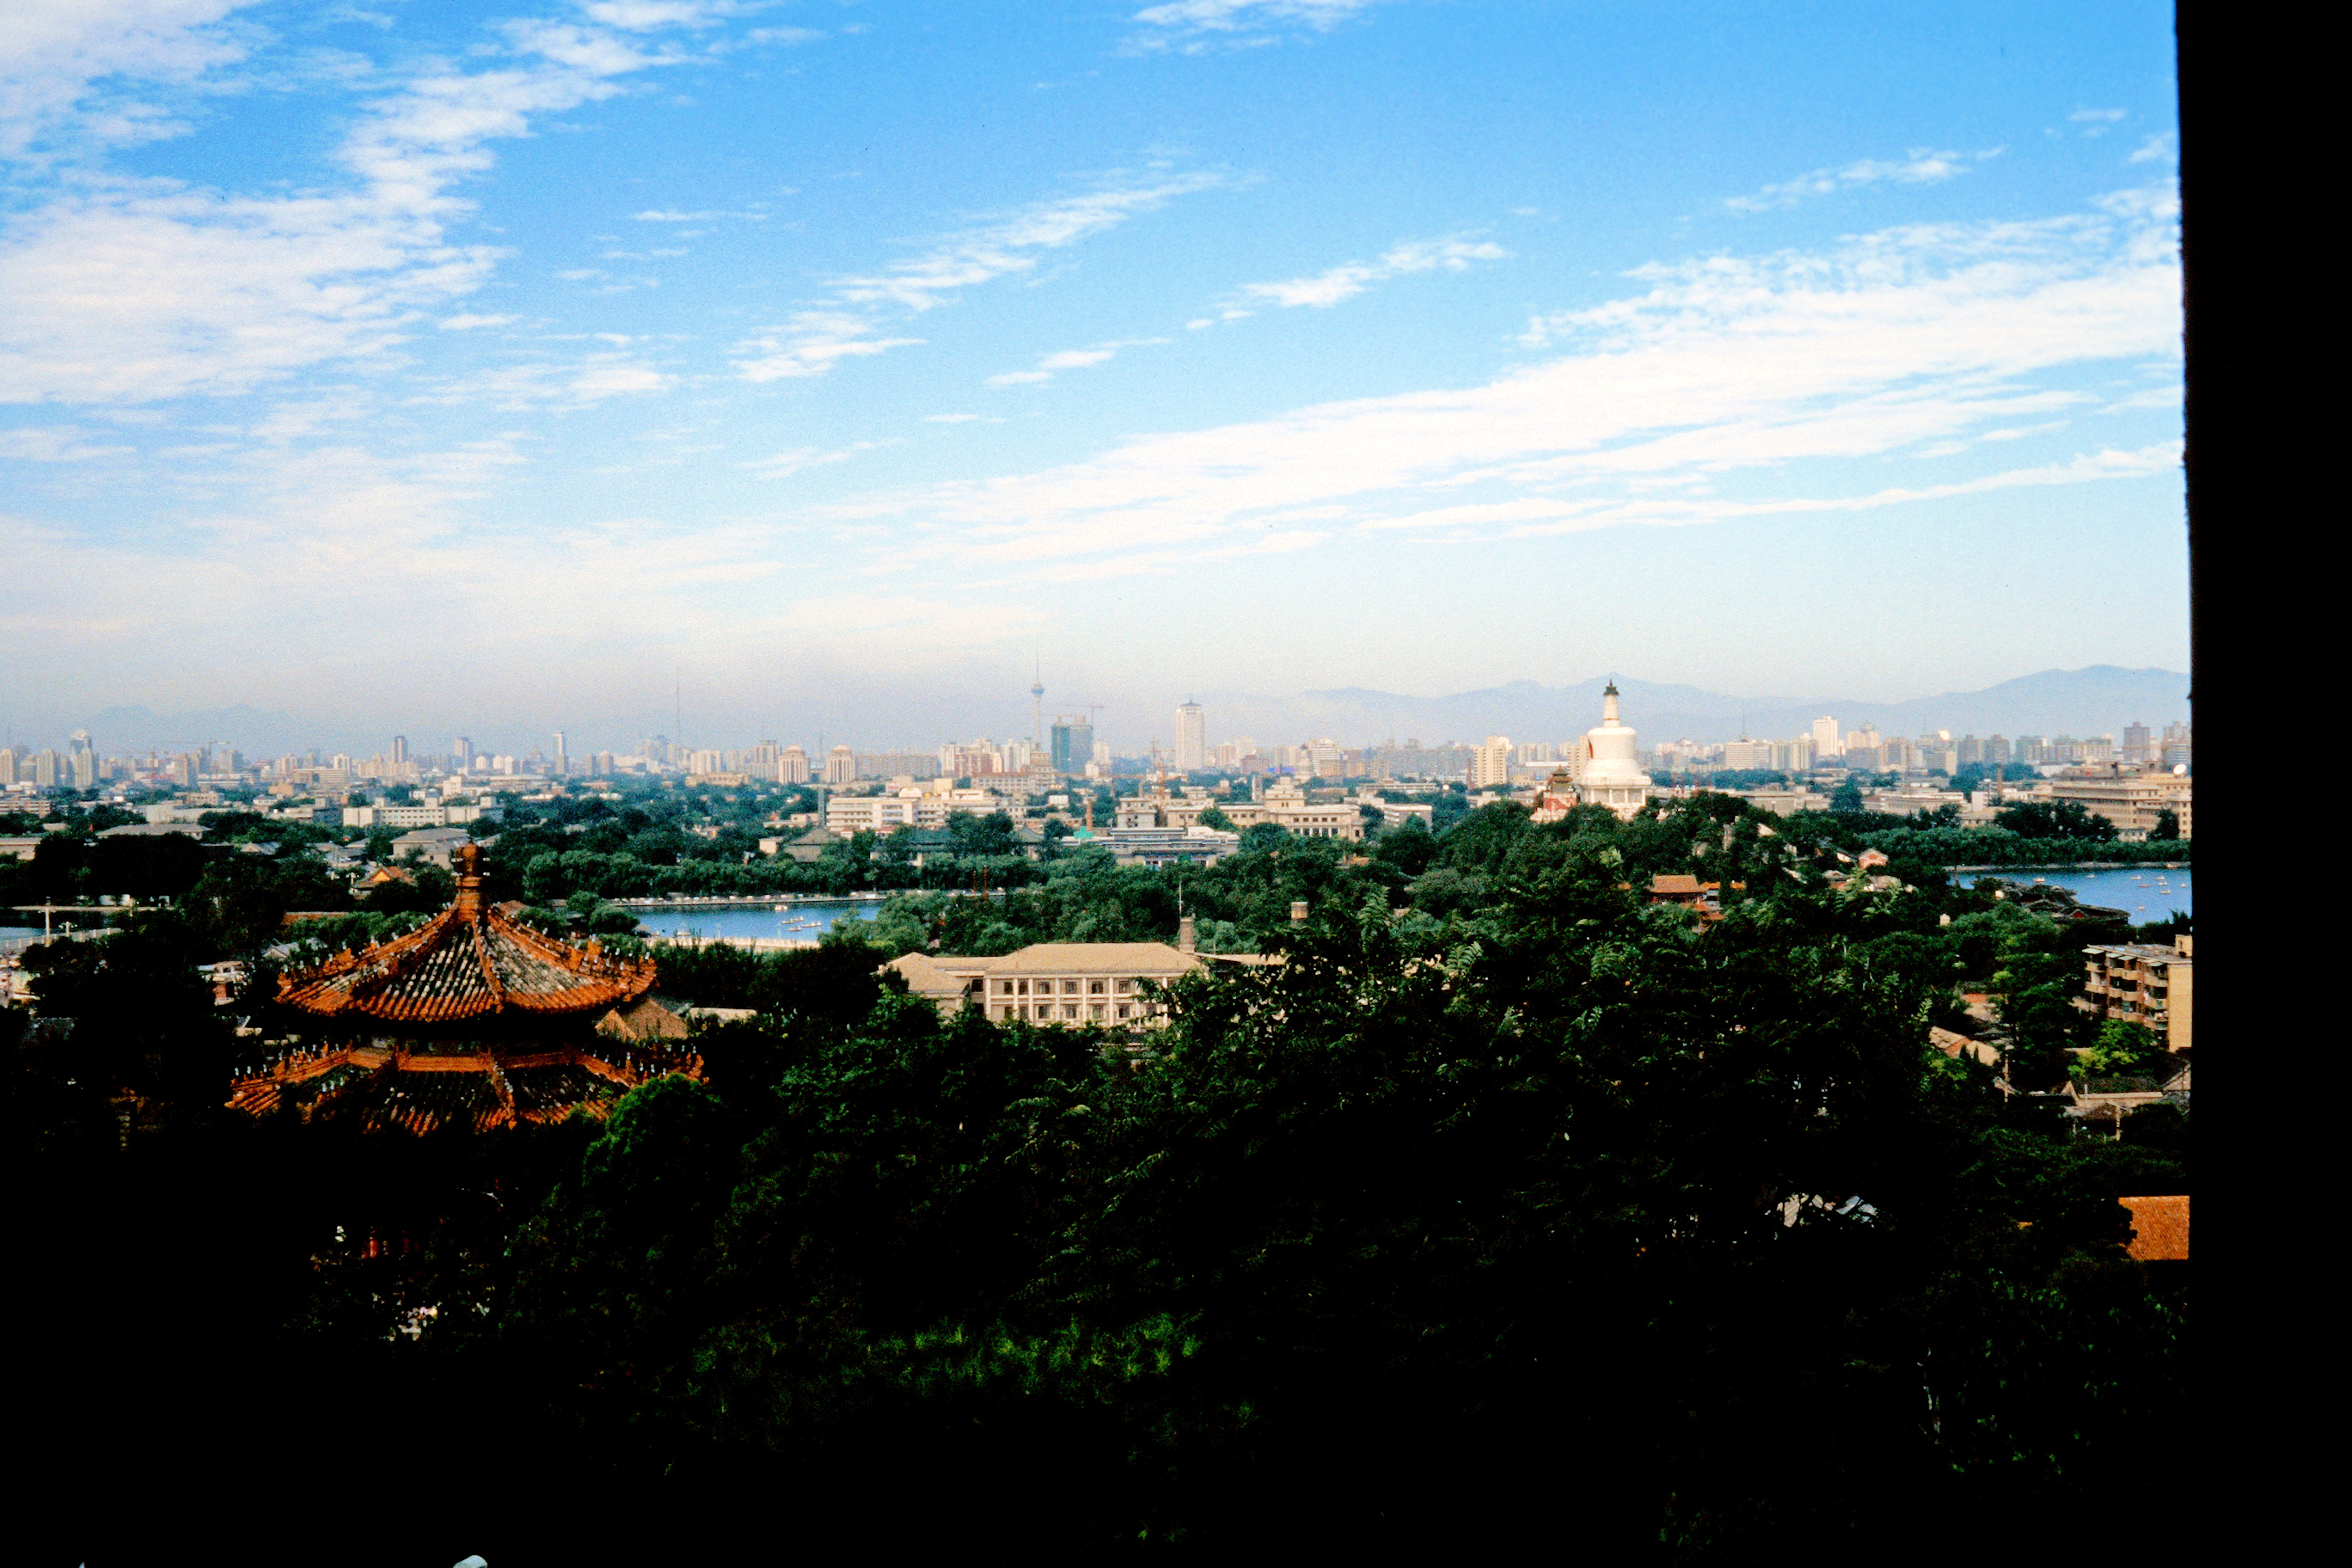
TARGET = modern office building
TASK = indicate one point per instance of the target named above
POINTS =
(1074, 745)
(1191, 738)
(841, 766)
(1825, 738)
(2175, 748)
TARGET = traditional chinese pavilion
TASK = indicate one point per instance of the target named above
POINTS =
(472, 1018)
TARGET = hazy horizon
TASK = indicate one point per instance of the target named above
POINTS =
(491, 368)
(2097, 700)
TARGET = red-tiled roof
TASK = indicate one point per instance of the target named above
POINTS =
(2160, 1228)
(467, 963)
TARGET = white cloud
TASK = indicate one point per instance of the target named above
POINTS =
(1013, 244)
(849, 323)
(56, 444)
(465, 323)
(645, 15)
(1719, 370)
(660, 215)
(2154, 150)
(1327, 288)
(53, 52)
(553, 383)
(126, 290)
(810, 344)
(2096, 121)
(1191, 26)
(1071, 359)
(798, 459)
(950, 418)
(1917, 167)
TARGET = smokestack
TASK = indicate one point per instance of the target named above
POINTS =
(1185, 935)
(1298, 912)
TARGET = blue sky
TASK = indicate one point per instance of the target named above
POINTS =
(490, 368)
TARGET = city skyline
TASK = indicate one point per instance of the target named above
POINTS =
(499, 366)
(2051, 702)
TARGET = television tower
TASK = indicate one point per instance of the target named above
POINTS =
(1037, 695)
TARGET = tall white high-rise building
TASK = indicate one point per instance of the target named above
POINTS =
(1825, 738)
(1491, 764)
(793, 767)
(1191, 738)
(841, 766)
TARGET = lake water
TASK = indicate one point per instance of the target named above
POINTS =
(2144, 895)
(799, 923)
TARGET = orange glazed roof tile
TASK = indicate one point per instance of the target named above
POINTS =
(467, 962)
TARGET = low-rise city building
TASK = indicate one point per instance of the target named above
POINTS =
(908, 806)
(2132, 799)
(1156, 846)
(2140, 983)
(435, 846)
(1072, 982)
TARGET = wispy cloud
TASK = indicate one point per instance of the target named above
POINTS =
(76, 66)
(1014, 243)
(646, 15)
(2154, 150)
(849, 322)
(1716, 371)
(557, 383)
(1919, 166)
(1325, 290)
(1194, 26)
(799, 459)
(660, 215)
(811, 344)
(1070, 359)
(58, 444)
(135, 290)
(2097, 121)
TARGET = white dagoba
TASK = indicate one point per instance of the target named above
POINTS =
(1611, 776)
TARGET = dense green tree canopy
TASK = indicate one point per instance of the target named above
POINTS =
(1507, 1202)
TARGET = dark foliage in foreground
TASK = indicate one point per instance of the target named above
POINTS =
(1526, 1217)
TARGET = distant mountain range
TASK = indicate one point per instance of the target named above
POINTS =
(2100, 700)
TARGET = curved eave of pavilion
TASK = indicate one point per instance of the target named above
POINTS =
(447, 971)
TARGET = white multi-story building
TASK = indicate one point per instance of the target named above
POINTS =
(1491, 764)
(793, 767)
(910, 806)
(1191, 738)
(841, 766)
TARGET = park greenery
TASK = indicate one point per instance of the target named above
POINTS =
(1508, 1202)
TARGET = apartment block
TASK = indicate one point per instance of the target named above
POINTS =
(2143, 983)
